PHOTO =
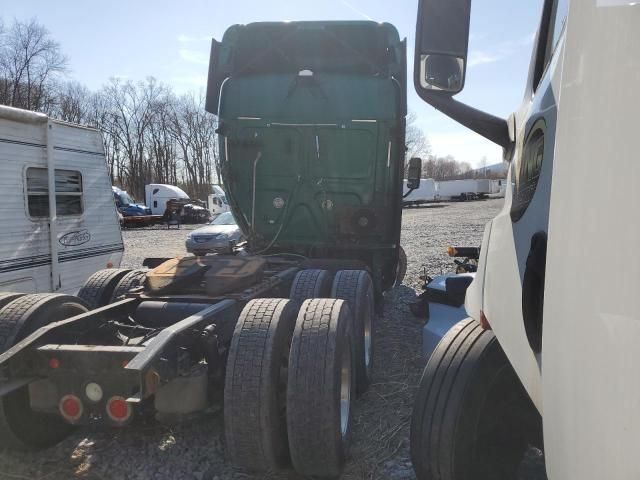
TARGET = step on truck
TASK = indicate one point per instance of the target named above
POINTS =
(311, 129)
(548, 353)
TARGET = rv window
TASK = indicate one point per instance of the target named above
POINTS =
(68, 192)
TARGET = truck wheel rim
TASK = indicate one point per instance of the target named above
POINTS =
(345, 392)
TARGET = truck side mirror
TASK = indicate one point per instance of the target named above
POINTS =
(414, 173)
(442, 41)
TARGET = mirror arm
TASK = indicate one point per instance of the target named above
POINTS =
(489, 126)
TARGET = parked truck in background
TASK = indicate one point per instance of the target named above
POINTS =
(156, 196)
(217, 201)
(553, 325)
(312, 141)
(59, 223)
(127, 206)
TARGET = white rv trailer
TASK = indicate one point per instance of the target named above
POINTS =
(426, 192)
(43, 163)
(156, 196)
(464, 189)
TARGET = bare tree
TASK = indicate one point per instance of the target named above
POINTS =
(416, 141)
(30, 63)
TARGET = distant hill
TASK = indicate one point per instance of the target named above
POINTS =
(499, 169)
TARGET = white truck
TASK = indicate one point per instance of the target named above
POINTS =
(553, 331)
(426, 192)
(217, 201)
(59, 221)
(156, 196)
(468, 189)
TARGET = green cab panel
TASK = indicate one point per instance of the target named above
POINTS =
(312, 124)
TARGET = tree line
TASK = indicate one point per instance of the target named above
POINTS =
(150, 134)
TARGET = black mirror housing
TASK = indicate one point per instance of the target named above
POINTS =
(414, 173)
(442, 42)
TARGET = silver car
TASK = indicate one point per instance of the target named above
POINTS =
(217, 237)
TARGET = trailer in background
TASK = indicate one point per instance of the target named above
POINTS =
(427, 192)
(462, 190)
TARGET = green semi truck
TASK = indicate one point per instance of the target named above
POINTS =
(312, 138)
(311, 127)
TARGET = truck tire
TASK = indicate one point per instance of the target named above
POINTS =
(97, 290)
(401, 271)
(311, 283)
(21, 427)
(255, 385)
(472, 419)
(8, 297)
(356, 288)
(319, 389)
(133, 279)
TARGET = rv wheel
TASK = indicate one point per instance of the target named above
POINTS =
(20, 426)
(255, 384)
(98, 289)
(311, 283)
(320, 387)
(472, 419)
(356, 288)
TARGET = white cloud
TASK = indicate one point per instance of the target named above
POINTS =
(193, 56)
(500, 51)
(190, 81)
(355, 10)
(479, 57)
(465, 146)
(184, 38)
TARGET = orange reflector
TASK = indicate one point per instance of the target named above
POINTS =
(484, 323)
(54, 363)
(70, 407)
(452, 251)
(118, 409)
(109, 264)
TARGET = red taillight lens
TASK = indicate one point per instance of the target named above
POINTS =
(70, 407)
(118, 409)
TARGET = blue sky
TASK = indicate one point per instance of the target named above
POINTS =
(170, 40)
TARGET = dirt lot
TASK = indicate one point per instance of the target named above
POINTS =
(194, 449)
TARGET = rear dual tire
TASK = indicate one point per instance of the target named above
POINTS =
(255, 385)
(289, 386)
(321, 387)
(98, 289)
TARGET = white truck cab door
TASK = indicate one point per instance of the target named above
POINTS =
(513, 271)
(591, 336)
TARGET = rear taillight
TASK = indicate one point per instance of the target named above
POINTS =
(70, 407)
(118, 409)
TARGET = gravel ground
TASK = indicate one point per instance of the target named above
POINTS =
(194, 449)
